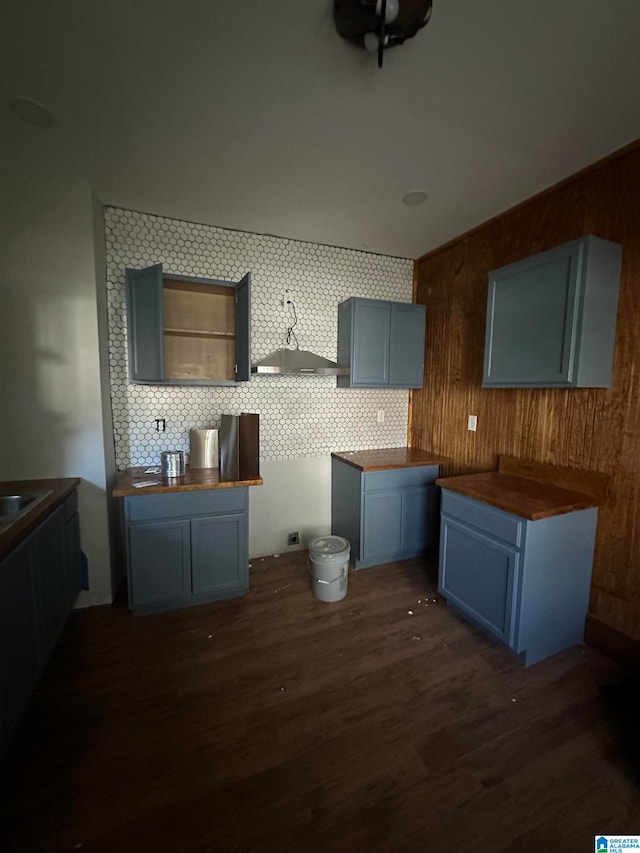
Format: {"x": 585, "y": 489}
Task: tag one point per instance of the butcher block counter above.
{"x": 530, "y": 489}
{"x": 385, "y": 502}
{"x": 516, "y": 551}
{"x": 191, "y": 481}
{"x": 390, "y": 457}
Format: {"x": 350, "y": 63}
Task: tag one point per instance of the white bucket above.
{"x": 329, "y": 567}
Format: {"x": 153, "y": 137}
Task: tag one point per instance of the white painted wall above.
{"x": 51, "y": 421}
{"x": 296, "y": 495}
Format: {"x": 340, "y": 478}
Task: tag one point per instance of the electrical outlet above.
{"x": 161, "y": 424}
{"x": 380, "y": 418}
{"x": 286, "y": 296}
{"x": 293, "y": 538}
{"x": 472, "y": 423}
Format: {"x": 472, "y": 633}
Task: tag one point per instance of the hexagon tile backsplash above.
{"x": 299, "y": 415}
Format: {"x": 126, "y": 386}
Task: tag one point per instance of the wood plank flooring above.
{"x": 279, "y": 723}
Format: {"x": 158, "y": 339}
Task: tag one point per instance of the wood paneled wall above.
{"x": 592, "y": 428}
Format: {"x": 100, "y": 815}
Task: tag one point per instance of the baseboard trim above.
{"x": 612, "y": 643}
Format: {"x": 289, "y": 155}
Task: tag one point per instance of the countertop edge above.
{"x": 434, "y": 459}
{"x": 174, "y": 488}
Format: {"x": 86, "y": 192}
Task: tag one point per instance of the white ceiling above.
{"x": 256, "y": 115}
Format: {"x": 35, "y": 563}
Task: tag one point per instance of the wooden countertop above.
{"x": 531, "y": 490}
{"x": 390, "y": 457}
{"x": 19, "y": 530}
{"x": 191, "y": 481}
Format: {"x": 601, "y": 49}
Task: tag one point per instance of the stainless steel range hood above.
{"x": 298, "y": 361}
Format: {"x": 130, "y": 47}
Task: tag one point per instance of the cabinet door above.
{"x": 531, "y": 320}
{"x": 20, "y": 660}
{"x": 419, "y": 519}
{"x": 49, "y": 559}
{"x": 73, "y": 561}
{"x": 145, "y": 324}
{"x": 370, "y": 343}
{"x": 406, "y": 347}
{"x": 480, "y": 576}
{"x": 381, "y": 524}
{"x": 159, "y": 562}
{"x": 243, "y": 329}
{"x": 219, "y": 559}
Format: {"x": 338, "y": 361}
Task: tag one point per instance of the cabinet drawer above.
{"x": 186, "y": 504}
{"x": 398, "y": 478}
{"x": 495, "y": 522}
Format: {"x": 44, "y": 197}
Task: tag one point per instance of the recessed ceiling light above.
{"x": 414, "y": 197}
{"x": 32, "y": 112}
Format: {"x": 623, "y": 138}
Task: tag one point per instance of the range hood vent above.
{"x": 298, "y": 361}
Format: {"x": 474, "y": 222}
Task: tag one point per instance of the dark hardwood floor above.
{"x": 278, "y": 723}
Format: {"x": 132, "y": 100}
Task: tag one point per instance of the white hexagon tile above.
{"x": 300, "y": 416}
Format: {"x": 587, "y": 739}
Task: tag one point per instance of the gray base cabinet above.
{"x": 524, "y": 582}
{"x": 39, "y": 582}
{"x": 49, "y": 559}
{"x": 20, "y": 650}
{"x": 385, "y": 515}
{"x": 551, "y": 319}
{"x": 186, "y": 548}
{"x": 382, "y": 343}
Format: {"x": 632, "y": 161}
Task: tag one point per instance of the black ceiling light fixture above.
{"x": 379, "y": 24}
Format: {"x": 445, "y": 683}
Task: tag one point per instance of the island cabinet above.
{"x": 185, "y": 330}
{"x": 551, "y": 318}
{"x": 523, "y": 578}
{"x": 382, "y": 343}
{"x": 386, "y": 514}
{"x": 186, "y": 548}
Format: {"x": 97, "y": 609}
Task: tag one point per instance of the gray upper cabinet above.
{"x": 551, "y": 318}
{"x": 382, "y": 343}
{"x": 188, "y": 331}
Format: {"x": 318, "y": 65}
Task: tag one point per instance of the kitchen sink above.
{"x": 16, "y": 506}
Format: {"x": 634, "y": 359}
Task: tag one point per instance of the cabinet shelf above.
{"x": 197, "y": 333}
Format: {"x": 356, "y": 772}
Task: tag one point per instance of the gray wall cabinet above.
{"x": 385, "y": 515}
{"x": 551, "y": 318}
{"x": 382, "y": 343}
{"x": 186, "y": 548}
{"x": 39, "y": 585}
{"x": 524, "y": 582}
{"x": 185, "y": 330}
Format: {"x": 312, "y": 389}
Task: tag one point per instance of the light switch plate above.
{"x": 472, "y": 423}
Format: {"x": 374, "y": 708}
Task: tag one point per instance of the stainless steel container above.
{"x": 203, "y": 448}
{"x": 172, "y": 463}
